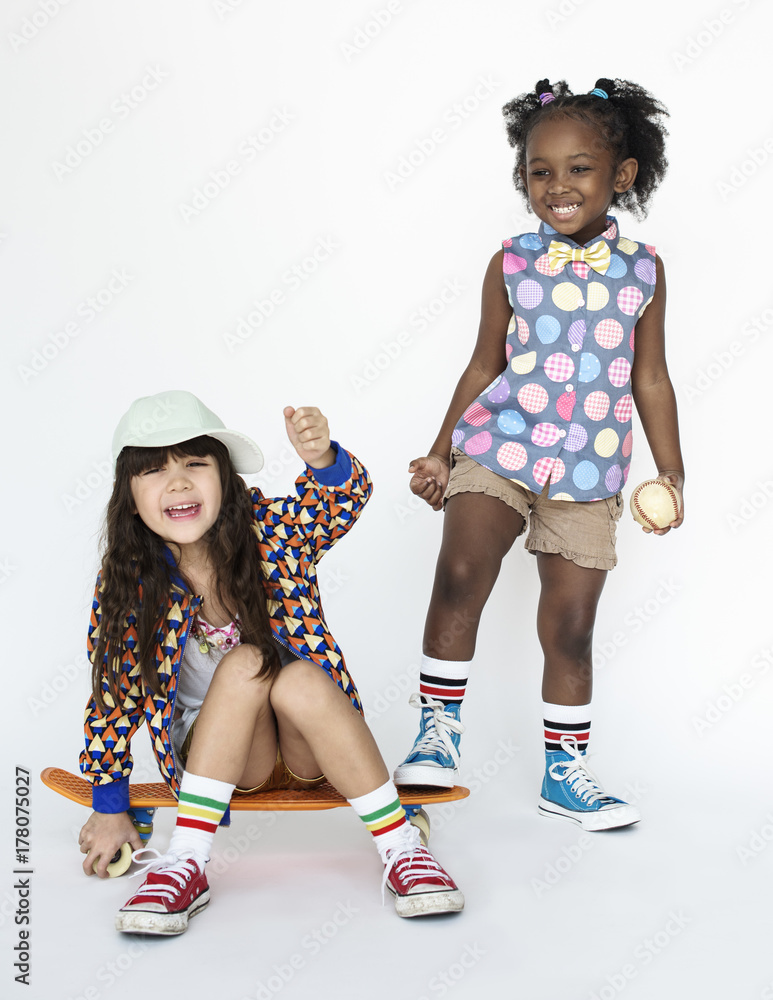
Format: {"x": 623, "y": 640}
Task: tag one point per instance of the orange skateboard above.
{"x": 146, "y": 798}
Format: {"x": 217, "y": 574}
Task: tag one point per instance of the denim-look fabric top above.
{"x": 560, "y": 412}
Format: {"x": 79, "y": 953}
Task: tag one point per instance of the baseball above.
{"x": 655, "y": 503}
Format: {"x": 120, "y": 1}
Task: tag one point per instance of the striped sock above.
{"x": 382, "y": 813}
{"x": 565, "y": 720}
{"x": 201, "y": 806}
{"x": 443, "y": 680}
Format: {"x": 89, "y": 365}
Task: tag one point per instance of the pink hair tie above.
{"x": 547, "y": 97}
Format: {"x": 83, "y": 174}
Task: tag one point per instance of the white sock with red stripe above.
{"x": 565, "y": 720}
{"x": 382, "y": 813}
{"x": 201, "y": 806}
{"x": 443, "y": 680}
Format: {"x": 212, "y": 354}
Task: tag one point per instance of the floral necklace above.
{"x": 211, "y": 637}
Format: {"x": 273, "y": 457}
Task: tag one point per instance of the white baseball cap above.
{"x": 175, "y": 416}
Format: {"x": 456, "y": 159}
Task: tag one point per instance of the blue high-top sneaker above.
{"x": 434, "y": 759}
{"x": 571, "y": 790}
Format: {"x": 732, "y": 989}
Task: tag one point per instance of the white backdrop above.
{"x": 295, "y": 203}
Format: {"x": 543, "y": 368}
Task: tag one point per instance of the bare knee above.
{"x": 299, "y": 689}
{"x": 241, "y": 667}
{"x": 464, "y": 576}
{"x": 478, "y": 532}
{"x": 569, "y": 633}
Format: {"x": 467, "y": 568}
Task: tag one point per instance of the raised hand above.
{"x": 309, "y": 434}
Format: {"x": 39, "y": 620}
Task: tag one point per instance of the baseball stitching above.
{"x": 649, "y": 482}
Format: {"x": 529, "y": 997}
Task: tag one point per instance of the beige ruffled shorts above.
{"x": 581, "y": 532}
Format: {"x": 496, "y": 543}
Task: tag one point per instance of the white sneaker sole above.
{"x": 152, "y": 922}
{"x": 427, "y": 775}
{"x": 601, "y": 819}
{"x": 425, "y": 904}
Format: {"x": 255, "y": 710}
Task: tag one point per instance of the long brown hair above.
{"x": 139, "y": 574}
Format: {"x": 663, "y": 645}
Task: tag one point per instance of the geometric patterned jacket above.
{"x": 292, "y": 534}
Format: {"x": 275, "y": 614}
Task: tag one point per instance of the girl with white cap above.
{"x": 207, "y": 626}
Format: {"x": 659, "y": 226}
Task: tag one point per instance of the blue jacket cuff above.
{"x": 111, "y": 798}
{"x": 338, "y": 472}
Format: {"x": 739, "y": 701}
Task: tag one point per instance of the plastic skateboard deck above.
{"x": 146, "y": 798}
{"x": 158, "y": 794}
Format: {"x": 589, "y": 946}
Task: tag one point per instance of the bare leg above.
{"x": 237, "y": 704}
{"x": 478, "y": 531}
{"x": 565, "y": 619}
{"x": 321, "y": 732}
{"x": 234, "y": 741}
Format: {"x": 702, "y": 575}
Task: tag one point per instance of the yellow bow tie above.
{"x": 596, "y": 256}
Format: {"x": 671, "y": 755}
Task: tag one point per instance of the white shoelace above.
{"x": 412, "y": 861}
{"x": 578, "y": 775}
{"x": 436, "y": 733}
{"x": 177, "y": 868}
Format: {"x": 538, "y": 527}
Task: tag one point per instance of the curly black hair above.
{"x": 628, "y": 121}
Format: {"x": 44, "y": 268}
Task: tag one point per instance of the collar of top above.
{"x": 610, "y": 235}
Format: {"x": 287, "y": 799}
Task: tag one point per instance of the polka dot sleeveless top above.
{"x": 560, "y": 412}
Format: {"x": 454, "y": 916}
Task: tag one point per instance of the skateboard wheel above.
{"x": 143, "y": 822}
{"x": 120, "y": 863}
{"x": 420, "y": 820}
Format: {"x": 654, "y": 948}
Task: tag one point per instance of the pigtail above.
{"x": 524, "y": 112}
{"x": 630, "y": 121}
{"x": 544, "y": 92}
{"x": 603, "y": 88}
